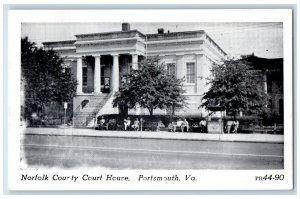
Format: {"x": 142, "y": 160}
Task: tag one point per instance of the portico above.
{"x": 103, "y": 73}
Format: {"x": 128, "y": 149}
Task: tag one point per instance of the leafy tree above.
{"x": 236, "y": 86}
{"x": 43, "y": 78}
{"x": 150, "y": 87}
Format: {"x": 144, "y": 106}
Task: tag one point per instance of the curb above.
{"x": 258, "y": 138}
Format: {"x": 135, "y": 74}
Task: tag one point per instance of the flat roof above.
{"x": 264, "y": 63}
{"x": 153, "y": 35}
{"x": 107, "y": 33}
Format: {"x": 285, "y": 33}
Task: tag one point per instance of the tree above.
{"x": 150, "y": 87}
{"x": 43, "y": 78}
{"x": 236, "y": 86}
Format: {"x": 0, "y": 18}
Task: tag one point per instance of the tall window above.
{"x": 171, "y": 69}
{"x": 84, "y": 76}
{"x": 190, "y": 73}
{"x": 102, "y": 76}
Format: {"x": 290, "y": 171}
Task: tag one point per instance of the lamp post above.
{"x": 65, "y": 107}
{"x": 142, "y": 124}
{"x": 64, "y": 66}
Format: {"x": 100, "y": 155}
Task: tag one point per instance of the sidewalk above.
{"x": 265, "y": 138}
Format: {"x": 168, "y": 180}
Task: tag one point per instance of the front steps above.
{"x": 85, "y": 115}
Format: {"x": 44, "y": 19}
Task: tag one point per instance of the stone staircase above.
{"x": 84, "y": 116}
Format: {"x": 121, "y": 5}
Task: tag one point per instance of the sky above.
{"x": 263, "y": 39}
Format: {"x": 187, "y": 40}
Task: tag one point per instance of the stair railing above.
{"x": 77, "y": 110}
{"x": 94, "y": 113}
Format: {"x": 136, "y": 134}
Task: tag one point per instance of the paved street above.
{"x": 71, "y": 152}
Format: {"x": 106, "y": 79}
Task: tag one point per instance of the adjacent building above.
{"x": 272, "y": 80}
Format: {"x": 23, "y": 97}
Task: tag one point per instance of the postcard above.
{"x": 150, "y": 99}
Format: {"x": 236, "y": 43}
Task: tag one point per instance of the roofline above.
{"x": 145, "y": 35}
{"x": 100, "y": 33}
{"x": 56, "y": 42}
{"x": 165, "y": 33}
{"x": 192, "y": 31}
{"x": 254, "y": 56}
{"x": 215, "y": 43}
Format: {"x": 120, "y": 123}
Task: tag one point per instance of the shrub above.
{"x": 271, "y": 119}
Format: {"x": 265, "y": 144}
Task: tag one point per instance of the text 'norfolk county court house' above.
{"x": 99, "y": 62}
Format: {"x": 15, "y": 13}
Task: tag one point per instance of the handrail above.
{"x": 78, "y": 107}
{"x": 106, "y": 99}
{"x": 94, "y": 113}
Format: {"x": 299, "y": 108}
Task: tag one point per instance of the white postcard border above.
{"x": 206, "y": 179}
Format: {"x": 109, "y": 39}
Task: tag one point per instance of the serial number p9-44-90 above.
{"x": 270, "y": 177}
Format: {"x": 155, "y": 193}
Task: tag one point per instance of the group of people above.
{"x": 110, "y": 125}
{"x": 232, "y": 126}
{"x": 112, "y": 122}
{"x": 135, "y": 126}
{"x": 181, "y": 124}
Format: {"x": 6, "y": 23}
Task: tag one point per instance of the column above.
{"x": 200, "y": 73}
{"x": 79, "y": 75}
{"x": 115, "y": 72}
{"x": 97, "y": 75}
{"x": 135, "y": 66}
{"x": 135, "y": 61}
{"x": 265, "y": 81}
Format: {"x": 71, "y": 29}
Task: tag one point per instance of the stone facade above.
{"x": 100, "y": 60}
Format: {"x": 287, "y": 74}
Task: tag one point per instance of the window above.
{"x": 190, "y": 73}
{"x": 84, "y": 76}
{"x": 102, "y": 76}
{"x": 171, "y": 70}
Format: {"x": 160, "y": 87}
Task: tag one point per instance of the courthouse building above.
{"x": 99, "y": 62}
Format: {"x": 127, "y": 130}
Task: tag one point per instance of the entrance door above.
{"x": 105, "y": 84}
{"x": 105, "y": 81}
